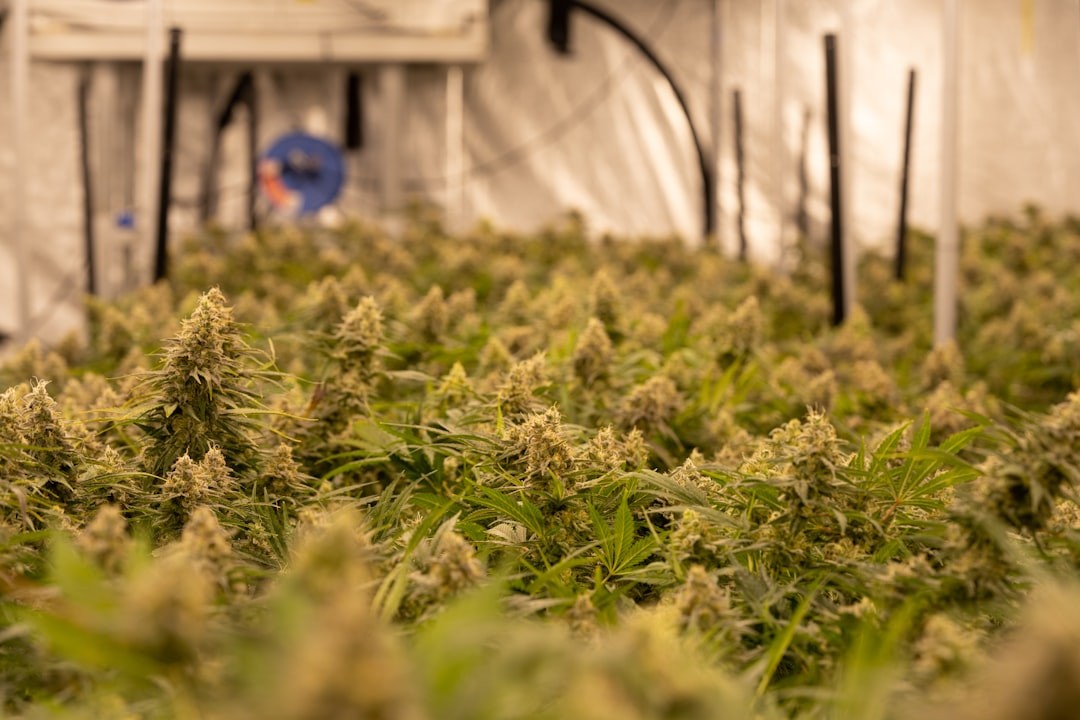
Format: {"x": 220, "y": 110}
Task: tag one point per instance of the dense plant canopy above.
{"x": 327, "y": 474}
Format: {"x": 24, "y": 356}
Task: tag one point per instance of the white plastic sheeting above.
{"x": 600, "y": 131}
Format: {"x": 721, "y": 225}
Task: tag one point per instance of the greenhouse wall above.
{"x": 600, "y": 131}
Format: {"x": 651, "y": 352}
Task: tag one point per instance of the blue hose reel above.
{"x": 300, "y": 174}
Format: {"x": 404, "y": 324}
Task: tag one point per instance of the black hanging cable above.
{"x": 552, "y": 134}
{"x": 558, "y": 7}
{"x": 161, "y": 256}
{"x": 559, "y": 25}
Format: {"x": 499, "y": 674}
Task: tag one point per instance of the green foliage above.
{"x": 498, "y": 476}
{"x": 202, "y": 393}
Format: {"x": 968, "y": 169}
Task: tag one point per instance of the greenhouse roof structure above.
{"x": 262, "y": 30}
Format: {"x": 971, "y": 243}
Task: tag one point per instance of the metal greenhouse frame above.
{"x": 238, "y": 32}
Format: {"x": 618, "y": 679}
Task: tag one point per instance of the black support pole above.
{"x": 354, "y": 111}
{"x": 172, "y": 73}
{"x": 252, "y": 102}
{"x": 837, "y": 248}
{"x": 87, "y": 181}
{"x": 901, "y": 229}
{"x": 740, "y": 172}
{"x": 559, "y": 33}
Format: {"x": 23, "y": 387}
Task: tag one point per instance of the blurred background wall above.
{"x": 600, "y": 131}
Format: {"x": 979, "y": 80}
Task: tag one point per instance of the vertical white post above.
{"x": 107, "y": 140}
{"x": 20, "y": 106}
{"x": 392, "y": 89}
{"x": 455, "y": 147}
{"x": 947, "y": 252}
{"x": 779, "y": 149}
{"x": 716, "y": 111}
{"x": 126, "y": 164}
{"x": 271, "y": 109}
{"x": 847, "y": 156}
{"x": 152, "y": 107}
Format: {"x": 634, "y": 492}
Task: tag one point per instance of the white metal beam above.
{"x": 847, "y": 154}
{"x": 716, "y": 112}
{"x": 152, "y": 80}
{"x": 455, "y": 147}
{"x": 392, "y": 89}
{"x": 107, "y": 142}
{"x": 947, "y": 251}
{"x": 283, "y": 47}
{"x": 243, "y": 16}
{"x": 20, "y": 107}
{"x": 779, "y": 150}
{"x": 245, "y": 31}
